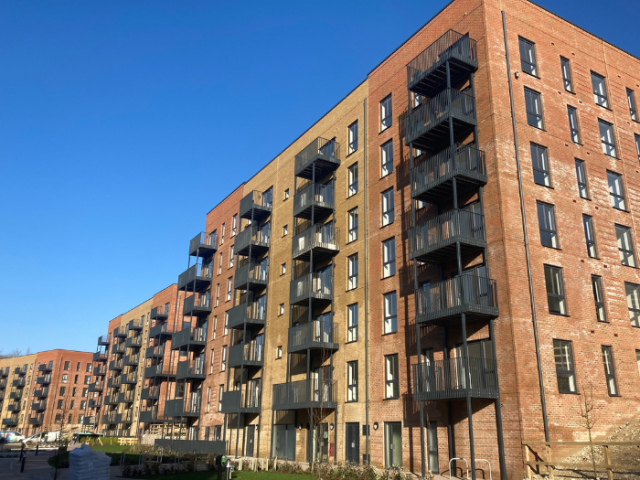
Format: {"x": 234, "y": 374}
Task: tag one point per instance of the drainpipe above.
{"x": 534, "y": 319}
{"x": 366, "y": 293}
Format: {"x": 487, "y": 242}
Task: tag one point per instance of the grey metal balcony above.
{"x": 99, "y": 357}
{"x": 118, "y": 347}
{"x": 95, "y": 387}
{"x": 3, "y": 384}
{"x": 124, "y": 417}
{"x": 16, "y": 395}
{"x": 111, "y": 399}
{"x": 159, "y": 370}
{"x": 155, "y": 352}
{"x": 100, "y": 371}
{"x": 251, "y": 312}
{"x": 114, "y": 381}
{"x": 37, "y": 420}
{"x": 14, "y": 408}
{"x": 95, "y": 403}
{"x": 203, "y": 245}
{"x": 432, "y": 179}
{"x": 251, "y": 275}
{"x": 88, "y": 420}
{"x": 314, "y": 198}
{"x": 110, "y": 418}
{"x": 126, "y": 397}
{"x": 196, "y": 278}
{"x": 160, "y": 329}
{"x": 204, "y": 447}
{"x": 436, "y": 240}
{"x": 304, "y": 394}
{"x": 249, "y": 354}
{"x": 151, "y": 415}
{"x": 254, "y": 236}
{"x": 116, "y": 365}
{"x": 199, "y": 305}
{"x": 130, "y": 378}
{"x": 190, "y": 370}
{"x": 135, "y": 324}
{"x": 443, "y": 303}
{"x": 322, "y": 239}
{"x": 321, "y": 154}
{"x": 40, "y": 406}
{"x": 11, "y": 421}
{"x": 192, "y": 339}
{"x": 4, "y": 372}
{"x": 41, "y": 392}
{"x": 256, "y": 205}
{"x": 448, "y": 379}
{"x": 237, "y": 401}
{"x": 132, "y": 360}
{"x": 311, "y": 285}
{"x": 159, "y": 313}
{"x": 183, "y": 408}
{"x": 317, "y": 334}
{"x": 150, "y": 393}
{"x": 43, "y": 379}
{"x": 18, "y": 382}
{"x": 133, "y": 342}
{"x": 103, "y": 340}
{"x": 427, "y": 73}
{"x": 20, "y": 371}
{"x": 427, "y": 126}
{"x": 119, "y": 332}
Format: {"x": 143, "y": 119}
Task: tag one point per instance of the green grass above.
{"x": 114, "y": 451}
{"x": 236, "y": 475}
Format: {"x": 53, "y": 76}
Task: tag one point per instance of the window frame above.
{"x": 545, "y": 230}
{"x": 560, "y": 295}
{"x": 389, "y": 318}
{"x": 630, "y": 250}
{"x": 609, "y": 147}
{"x": 574, "y": 130}
{"x": 610, "y": 370}
{"x": 631, "y": 101}
{"x": 223, "y": 359}
{"x": 386, "y": 158}
{"x": 598, "y": 298}
{"x": 352, "y": 272}
{"x": 597, "y": 96}
{"x": 530, "y": 97}
{"x": 389, "y": 257}
{"x": 570, "y": 371}
{"x": 391, "y": 374}
{"x": 352, "y": 138}
{"x": 386, "y": 112}
{"x": 568, "y": 77}
{"x": 352, "y": 323}
{"x": 388, "y": 196}
{"x": 616, "y": 198}
{"x": 352, "y": 180}
{"x": 352, "y": 225}
{"x": 540, "y": 161}
{"x": 528, "y": 66}
{"x": 352, "y": 381}
{"x": 589, "y": 236}
{"x": 582, "y": 170}
{"x": 632, "y": 294}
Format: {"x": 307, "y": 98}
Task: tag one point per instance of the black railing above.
{"x": 314, "y": 194}
{"x": 99, "y": 357}
{"x": 157, "y": 351}
{"x": 203, "y": 271}
{"x": 103, "y": 340}
{"x": 202, "y": 241}
{"x": 43, "y": 379}
{"x": 249, "y": 311}
{"x": 237, "y": 399}
{"x": 452, "y": 378}
{"x": 255, "y": 200}
{"x": 253, "y": 235}
{"x": 250, "y": 353}
{"x": 187, "y": 369}
{"x": 135, "y": 324}
{"x": 182, "y": 407}
{"x": 312, "y": 285}
{"x": 251, "y": 272}
{"x": 316, "y": 393}
{"x": 39, "y": 406}
{"x": 126, "y": 397}
{"x": 134, "y": 341}
{"x": 159, "y": 313}
{"x": 116, "y": 364}
{"x": 186, "y": 336}
{"x": 315, "y": 334}
{"x": 158, "y": 329}
{"x": 159, "y": 369}
{"x": 320, "y": 148}
{"x": 41, "y": 392}
{"x": 316, "y": 236}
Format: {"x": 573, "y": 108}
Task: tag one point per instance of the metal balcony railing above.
{"x": 326, "y": 153}
{"x": 190, "y": 369}
{"x": 99, "y": 357}
{"x": 150, "y": 415}
{"x": 258, "y": 237}
{"x": 260, "y": 203}
{"x": 251, "y": 311}
{"x": 39, "y": 406}
{"x": 314, "y": 195}
{"x": 88, "y": 420}
{"x": 43, "y": 379}
{"x": 37, "y": 420}
{"x": 21, "y": 371}
{"x": 181, "y": 407}
{"x": 249, "y": 354}
{"x": 100, "y": 371}
{"x": 203, "y": 245}
{"x": 95, "y": 403}
{"x": 150, "y": 393}
{"x": 41, "y": 392}
{"x": 96, "y": 387}
{"x": 116, "y": 364}
{"x": 159, "y": 370}
{"x": 3, "y": 383}
{"x": 129, "y": 378}
{"x": 4, "y": 372}
{"x": 251, "y": 272}
{"x": 195, "y": 305}
{"x": 312, "y": 285}
{"x": 119, "y": 332}
{"x": 126, "y": 397}
{"x": 187, "y": 337}
{"x": 15, "y": 395}
{"x": 159, "y": 313}
{"x": 314, "y": 393}
{"x": 447, "y": 300}
{"x": 322, "y": 239}
{"x": 160, "y": 329}
{"x": 135, "y": 324}
{"x": 111, "y": 399}
{"x": 103, "y": 340}
{"x": 10, "y": 421}
{"x": 14, "y": 408}
{"x": 315, "y": 334}
{"x": 453, "y": 378}
{"x": 200, "y": 274}
{"x": 119, "y": 347}
{"x": 110, "y": 418}
{"x": 132, "y": 359}
{"x": 157, "y": 351}
{"x": 135, "y": 341}
{"x": 235, "y": 400}
{"x": 19, "y": 382}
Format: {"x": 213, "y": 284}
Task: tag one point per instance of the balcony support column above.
{"x": 467, "y": 384}
{"x": 501, "y": 457}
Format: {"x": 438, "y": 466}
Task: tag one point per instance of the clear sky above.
{"x": 122, "y": 123}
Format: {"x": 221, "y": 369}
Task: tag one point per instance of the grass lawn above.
{"x": 236, "y": 475}
{"x": 113, "y": 451}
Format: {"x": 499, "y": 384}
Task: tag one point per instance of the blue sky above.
{"x": 123, "y": 123}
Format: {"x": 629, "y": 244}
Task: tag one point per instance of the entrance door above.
{"x": 432, "y": 447}
{"x": 352, "y": 440}
{"x": 320, "y": 440}
{"x": 284, "y": 441}
{"x": 392, "y": 444}
{"x": 251, "y": 432}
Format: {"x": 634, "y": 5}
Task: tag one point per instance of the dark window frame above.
{"x": 391, "y": 263}
{"x": 528, "y": 65}
{"x": 394, "y": 382}
{"x": 582, "y": 169}
{"x": 540, "y": 164}
{"x": 352, "y": 329}
{"x": 630, "y": 252}
{"x": 548, "y": 233}
{"x": 386, "y": 109}
{"x": 352, "y": 388}
{"x": 386, "y": 158}
{"x": 390, "y": 212}
{"x": 589, "y": 231}
{"x": 566, "y": 78}
{"x": 598, "y": 298}
{"x": 530, "y": 97}
{"x": 610, "y": 370}
{"x": 552, "y": 294}
{"x": 574, "y": 130}
{"x": 601, "y": 99}
{"x": 565, "y": 372}
{"x": 609, "y": 148}
{"x": 352, "y": 137}
{"x": 617, "y": 198}
{"x": 352, "y": 180}
{"x": 352, "y": 276}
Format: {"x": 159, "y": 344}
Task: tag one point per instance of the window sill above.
{"x": 531, "y": 75}
{"x": 349, "y": 154}
{"x": 616, "y": 395}
{"x": 629, "y": 266}
{"x": 569, "y": 393}
{"x": 602, "y": 106}
{"x": 570, "y": 91}
{"x": 385, "y": 129}
{"x": 390, "y": 398}
{"x": 385, "y": 226}
{"x": 352, "y": 195}
{"x": 585, "y": 198}
{"x": 351, "y": 289}
{"x": 552, "y": 248}
{"x": 560, "y": 314}
{"x": 390, "y": 333}
{"x": 351, "y": 401}
{"x": 545, "y": 186}
{"x": 621, "y": 210}
{"x": 352, "y": 341}
{"x": 388, "y": 276}
{"x": 537, "y": 128}
{"x": 351, "y": 241}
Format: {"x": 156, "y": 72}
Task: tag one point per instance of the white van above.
{"x": 42, "y": 437}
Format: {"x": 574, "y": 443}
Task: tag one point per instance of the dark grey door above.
{"x": 251, "y": 432}
{"x": 432, "y": 446}
{"x": 352, "y": 448}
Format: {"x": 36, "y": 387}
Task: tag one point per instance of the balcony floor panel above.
{"x": 318, "y": 209}
{"x": 453, "y": 316}
{"x": 445, "y": 251}
{"x": 436, "y": 137}
{"x": 442, "y": 190}
{"x": 456, "y": 394}
{"x": 434, "y": 79}
{"x": 324, "y": 165}
{"x": 320, "y": 252}
{"x": 313, "y": 346}
{"x": 306, "y": 406}
{"x": 199, "y": 283}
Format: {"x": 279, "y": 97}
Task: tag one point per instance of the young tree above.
{"x": 588, "y": 413}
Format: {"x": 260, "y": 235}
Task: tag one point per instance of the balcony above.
{"x": 251, "y": 275}
{"x": 246, "y": 355}
{"x": 150, "y": 393}
{"x": 119, "y": 332}
{"x": 159, "y": 370}
{"x": 135, "y": 325}
{"x": 314, "y": 286}
{"x": 95, "y": 403}
{"x": 20, "y": 371}
{"x": 40, "y": 406}
{"x": 100, "y": 371}
{"x": 160, "y": 329}
{"x": 197, "y": 305}
{"x": 155, "y": 352}
{"x": 124, "y": 417}
{"x": 321, "y": 157}
{"x": 103, "y": 340}
{"x": 41, "y": 393}
{"x": 147, "y": 416}
{"x": 237, "y": 402}
{"x": 304, "y": 394}
{"x": 111, "y": 399}
{"x": 159, "y": 313}
{"x": 114, "y": 381}
{"x": 250, "y": 312}
{"x": 254, "y": 238}
{"x": 130, "y": 378}
{"x": 3, "y": 383}
{"x": 133, "y": 342}
{"x": 132, "y": 360}
{"x": 192, "y": 339}
{"x": 116, "y": 365}
{"x": 190, "y": 371}
{"x": 256, "y": 205}
{"x": 182, "y": 408}
{"x": 100, "y": 357}
{"x": 196, "y": 278}
{"x": 95, "y": 387}
{"x": 436, "y": 240}
{"x": 126, "y": 397}
{"x": 432, "y": 179}
{"x": 427, "y": 126}
{"x": 314, "y": 200}
{"x": 10, "y": 422}
{"x": 427, "y": 73}
{"x": 203, "y": 245}
{"x": 446, "y": 379}
{"x": 322, "y": 239}
{"x": 88, "y": 420}
{"x": 4, "y": 372}
{"x": 16, "y": 395}
{"x": 443, "y": 303}
{"x": 14, "y": 408}
{"x": 20, "y": 382}
{"x": 37, "y": 420}
{"x": 314, "y": 335}
{"x": 118, "y": 347}
{"x": 110, "y": 418}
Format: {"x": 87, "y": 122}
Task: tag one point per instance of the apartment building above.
{"x": 45, "y": 391}
{"x": 443, "y": 266}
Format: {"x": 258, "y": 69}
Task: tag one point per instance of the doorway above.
{"x": 432, "y": 447}
{"x": 251, "y": 433}
{"x": 352, "y": 443}
{"x": 392, "y": 444}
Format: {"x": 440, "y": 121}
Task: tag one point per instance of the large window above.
{"x": 234, "y": 225}
{"x": 631, "y": 100}
{"x": 547, "y": 223}
{"x": 390, "y": 312}
{"x": 589, "y": 236}
{"x": 352, "y": 323}
{"x": 598, "y": 298}
{"x": 389, "y": 257}
{"x": 391, "y": 377}
{"x": 352, "y": 271}
{"x": 565, "y": 369}
{"x": 599, "y": 90}
{"x": 566, "y": 74}
{"x": 555, "y": 290}
{"x": 637, "y": 139}
{"x": 616, "y": 190}
{"x": 581, "y": 175}
{"x": 533, "y": 103}
{"x": 540, "y": 162}
{"x": 633, "y": 303}
{"x": 625, "y": 246}
{"x": 528, "y": 57}
{"x": 607, "y": 138}
{"x": 223, "y": 360}
{"x": 609, "y": 370}
{"x": 353, "y": 137}
{"x": 387, "y": 207}
{"x": 386, "y": 158}
{"x": 220, "y": 394}
{"x": 352, "y": 221}
{"x": 573, "y": 124}
{"x": 385, "y": 113}
{"x": 229, "y": 288}
{"x": 638, "y": 360}
{"x": 353, "y": 180}
{"x": 352, "y": 381}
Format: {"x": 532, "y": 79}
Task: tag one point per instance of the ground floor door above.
{"x": 393, "y": 444}
{"x": 251, "y": 433}
{"x": 284, "y": 442}
{"x": 352, "y": 443}
{"x": 319, "y": 443}
{"x": 432, "y": 447}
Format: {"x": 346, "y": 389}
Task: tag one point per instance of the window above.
{"x": 60, "y": 404}
{"x": 390, "y": 313}
{"x": 72, "y": 404}
{"x": 564, "y": 366}
{"x": 555, "y": 290}
{"x": 417, "y": 100}
{"x": 58, "y": 418}
{"x": 385, "y": 113}
{"x": 85, "y": 392}
{"x": 625, "y": 246}
{"x": 352, "y": 381}
{"x": 222, "y": 235}
{"x": 283, "y": 269}
{"x": 598, "y": 298}
{"x": 87, "y": 379}
{"x": 75, "y": 379}
{"x": 581, "y": 175}
{"x": 631, "y": 100}
{"x": 638, "y": 359}
{"x": 220, "y": 393}
{"x": 386, "y": 158}
{"x": 281, "y": 312}
{"x": 540, "y": 161}
{"x": 226, "y": 324}
{"x": 67, "y": 365}
{"x": 223, "y": 362}
{"x": 353, "y": 180}
{"x": 353, "y": 137}
{"x": 607, "y": 138}
{"x": 217, "y": 294}
{"x": 65, "y": 378}
{"x": 387, "y": 207}
{"x": 220, "y": 264}
{"x": 352, "y": 323}
{"x": 89, "y": 368}
{"x": 217, "y": 433}
{"x": 616, "y": 190}
{"x": 78, "y": 366}
{"x": 533, "y": 103}
{"x": 527, "y": 56}
{"x": 73, "y": 391}
{"x": 234, "y": 225}
{"x": 286, "y": 194}
{"x": 215, "y": 326}
{"x": 389, "y": 257}
{"x": 391, "y": 374}
{"x": 599, "y": 90}
{"x": 609, "y": 370}
{"x": 279, "y": 352}
{"x": 547, "y": 223}
{"x": 211, "y": 357}
{"x": 352, "y": 221}
{"x": 229, "y": 288}
{"x": 285, "y": 230}
{"x": 231, "y": 256}
{"x": 633, "y": 303}
{"x": 352, "y": 271}
{"x": 589, "y": 236}
{"x": 573, "y": 124}
{"x": 83, "y": 405}
{"x": 637, "y": 139}
{"x": 208, "y": 402}
{"x": 566, "y": 74}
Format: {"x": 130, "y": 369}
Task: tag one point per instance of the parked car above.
{"x": 42, "y": 437}
{"x": 12, "y": 437}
